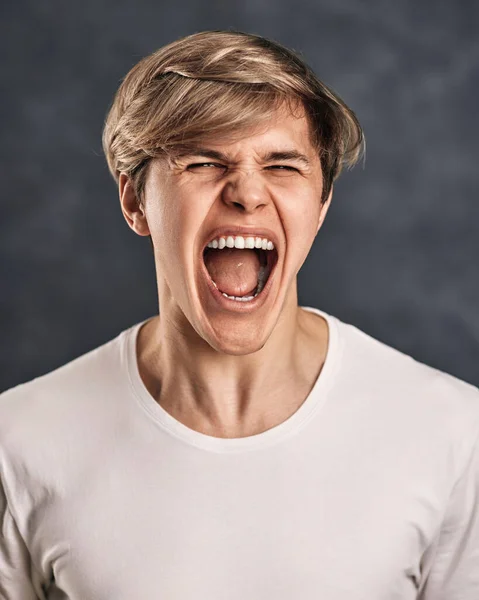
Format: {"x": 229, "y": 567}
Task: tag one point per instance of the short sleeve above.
{"x": 16, "y": 580}
{"x": 453, "y": 563}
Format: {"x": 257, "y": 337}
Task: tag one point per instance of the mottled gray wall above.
{"x": 398, "y": 253}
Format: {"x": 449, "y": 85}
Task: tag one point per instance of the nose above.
{"x": 246, "y": 191}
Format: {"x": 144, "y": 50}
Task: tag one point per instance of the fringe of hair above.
{"x": 221, "y": 82}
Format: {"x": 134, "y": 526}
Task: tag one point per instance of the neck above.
{"x": 229, "y": 395}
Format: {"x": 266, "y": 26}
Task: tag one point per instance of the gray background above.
{"x": 397, "y": 255}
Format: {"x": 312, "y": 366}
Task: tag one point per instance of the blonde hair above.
{"x": 216, "y": 83}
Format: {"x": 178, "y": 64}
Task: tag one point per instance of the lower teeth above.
{"x": 247, "y": 298}
{"x": 259, "y": 289}
{"x": 240, "y": 298}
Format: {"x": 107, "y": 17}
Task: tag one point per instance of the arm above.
{"x": 16, "y": 569}
{"x": 451, "y": 565}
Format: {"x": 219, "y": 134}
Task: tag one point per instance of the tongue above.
{"x": 234, "y": 271}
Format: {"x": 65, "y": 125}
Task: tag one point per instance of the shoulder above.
{"x": 407, "y": 385}
{"x": 64, "y": 399}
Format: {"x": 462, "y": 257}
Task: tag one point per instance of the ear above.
{"x": 324, "y": 210}
{"x": 130, "y": 207}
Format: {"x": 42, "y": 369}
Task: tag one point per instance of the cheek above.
{"x": 163, "y": 220}
{"x": 174, "y": 222}
{"x": 300, "y": 219}
{"x": 191, "y": 211}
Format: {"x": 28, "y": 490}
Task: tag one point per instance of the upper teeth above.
{"x": 241, "y": 242}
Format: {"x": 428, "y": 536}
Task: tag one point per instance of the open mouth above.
{"x": 240, "y": 269}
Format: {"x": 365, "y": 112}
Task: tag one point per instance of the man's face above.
{"x": 214, "y": 191}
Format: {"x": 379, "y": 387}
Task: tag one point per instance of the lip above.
{"x": 236, "y": 305}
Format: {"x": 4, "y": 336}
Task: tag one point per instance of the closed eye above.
{"x": 283, "y": 167}
{"x": 206, "y": 164}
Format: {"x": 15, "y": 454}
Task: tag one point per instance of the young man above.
{"x": 236, "y": 446}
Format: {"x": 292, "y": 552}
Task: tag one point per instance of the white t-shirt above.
{"x": 369, "y": 491}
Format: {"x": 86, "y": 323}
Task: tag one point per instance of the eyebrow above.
{"x": 287, "y": 154}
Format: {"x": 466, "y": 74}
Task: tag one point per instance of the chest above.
{"x": 279, "y": 529}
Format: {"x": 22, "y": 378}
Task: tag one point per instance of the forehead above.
{"x": 279, "y": 130}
